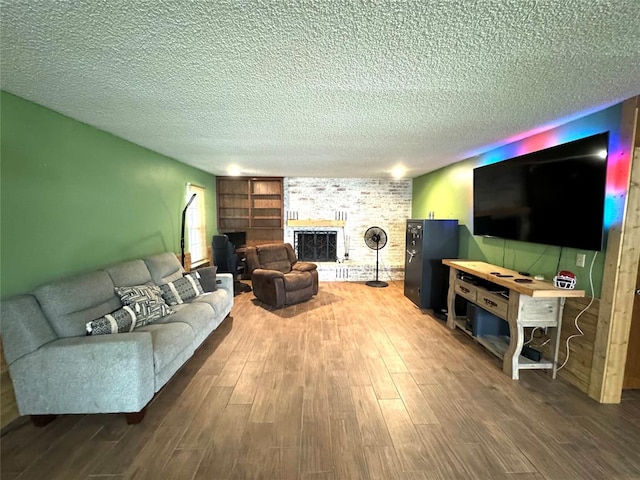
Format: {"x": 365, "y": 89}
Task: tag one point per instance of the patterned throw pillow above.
{"x": 139, "y": 293}
{"x": 183, "y": 289}
{"x": 147, "y": 302}
{"x": 123, "y": 320}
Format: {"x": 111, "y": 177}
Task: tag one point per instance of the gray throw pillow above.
{"x": 208, "y": 278}
{"x": 183, "y": 289}
{"x": 122, "y": 320}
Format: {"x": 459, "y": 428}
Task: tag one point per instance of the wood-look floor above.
{"x": 354, "y": 384}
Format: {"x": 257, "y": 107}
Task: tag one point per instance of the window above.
{"x": 196, "y": 225}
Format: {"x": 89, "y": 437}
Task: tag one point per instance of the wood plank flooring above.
{"x": 355, "y": 384}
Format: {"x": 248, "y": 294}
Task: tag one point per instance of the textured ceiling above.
{"x": 320, "y": 88}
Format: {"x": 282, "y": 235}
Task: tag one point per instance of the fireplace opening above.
{"x": 316, "y": 246}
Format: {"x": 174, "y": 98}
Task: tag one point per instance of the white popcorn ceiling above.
{"x": 331, "y": 88}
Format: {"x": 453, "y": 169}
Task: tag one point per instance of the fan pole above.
{"x": 377, "y": 283}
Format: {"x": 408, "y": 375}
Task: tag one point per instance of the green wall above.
{"x": 449, "y": 193}
{"x": 75, "y": 198}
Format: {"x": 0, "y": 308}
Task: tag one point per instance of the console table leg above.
{"x": 555, "y": 337}
{"x": 510, "y": 364}
{"x": 451, "y": 299}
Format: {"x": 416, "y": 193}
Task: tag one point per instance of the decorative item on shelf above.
{"x": 565, "y": 279}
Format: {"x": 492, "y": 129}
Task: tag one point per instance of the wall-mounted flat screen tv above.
{"x": 553, "y": 196}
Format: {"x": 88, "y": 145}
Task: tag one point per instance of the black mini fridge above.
{"x": 426, "y": 279}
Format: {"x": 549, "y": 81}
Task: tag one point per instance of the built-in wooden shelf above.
{"x": 254, "y": 205}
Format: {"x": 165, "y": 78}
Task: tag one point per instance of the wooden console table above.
{"x": 535, "y": 304}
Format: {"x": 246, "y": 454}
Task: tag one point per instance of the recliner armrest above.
{"x": 304, "y": 266}
{"x": 268, "y": 286}
{"x": 261, "y": 273}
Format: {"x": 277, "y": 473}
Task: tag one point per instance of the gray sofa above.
{"x": 57, "y": 369}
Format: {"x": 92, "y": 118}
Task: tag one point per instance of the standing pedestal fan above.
{"x": 376, "y": 238}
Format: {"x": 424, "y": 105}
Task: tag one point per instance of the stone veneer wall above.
{"x": 363, "y": 202}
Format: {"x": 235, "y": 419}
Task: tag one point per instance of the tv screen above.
{"x": 239, "y": 239}
{"x": 553, "y": 196}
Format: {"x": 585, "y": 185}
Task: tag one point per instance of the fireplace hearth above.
{"x": 316, "y": 245}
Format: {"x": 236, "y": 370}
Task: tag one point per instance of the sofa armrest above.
{"x": 225, "y": 281}
{"x": 304, "y": 266}
{"x": 93, "y": 374}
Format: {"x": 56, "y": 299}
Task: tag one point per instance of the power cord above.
{"x": 386, "y": 270}
{"x": 532, "y": 337}
{"x": 528, "y": 269}
{"x": 575, "y": 322}
{"x": 558, "y": 262}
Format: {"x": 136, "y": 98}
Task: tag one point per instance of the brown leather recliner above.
{"x": 278, "y": 277}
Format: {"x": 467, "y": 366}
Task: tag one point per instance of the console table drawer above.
{"x": 493, "y": 303}
{"x": 466, "y": 290}
{"x": 538, "y": 312}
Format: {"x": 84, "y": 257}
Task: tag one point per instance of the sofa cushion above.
{"x": 72, "y": 302}
{"x": 128, "y": 274}
{"x": 147, "y": 302}
{"x": 164, "y": 268}
{"x": 122, "y": 320}
{"x": 218, "y": 300}
{"x": 183, "y": 289}
{"x": 169, "y": 340}
{"x": 198, "y": 315}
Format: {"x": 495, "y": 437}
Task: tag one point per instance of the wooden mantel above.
{"x": 316, "y": 223}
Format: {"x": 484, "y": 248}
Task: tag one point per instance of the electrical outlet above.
{"x": 580, "y": 260}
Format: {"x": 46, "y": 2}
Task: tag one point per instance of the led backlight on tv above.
{"x": 553, "y": 196}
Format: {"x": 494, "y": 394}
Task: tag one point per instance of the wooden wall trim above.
{"x": 621, "y": 261}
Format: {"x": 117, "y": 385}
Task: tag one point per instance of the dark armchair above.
{"x": 278, "y": 277}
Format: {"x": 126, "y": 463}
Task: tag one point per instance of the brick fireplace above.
{"x": 348, "y": 206}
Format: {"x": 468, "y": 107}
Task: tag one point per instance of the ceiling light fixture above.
{"x": 234, "y": 171}
{"x": 398, "y": 172}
